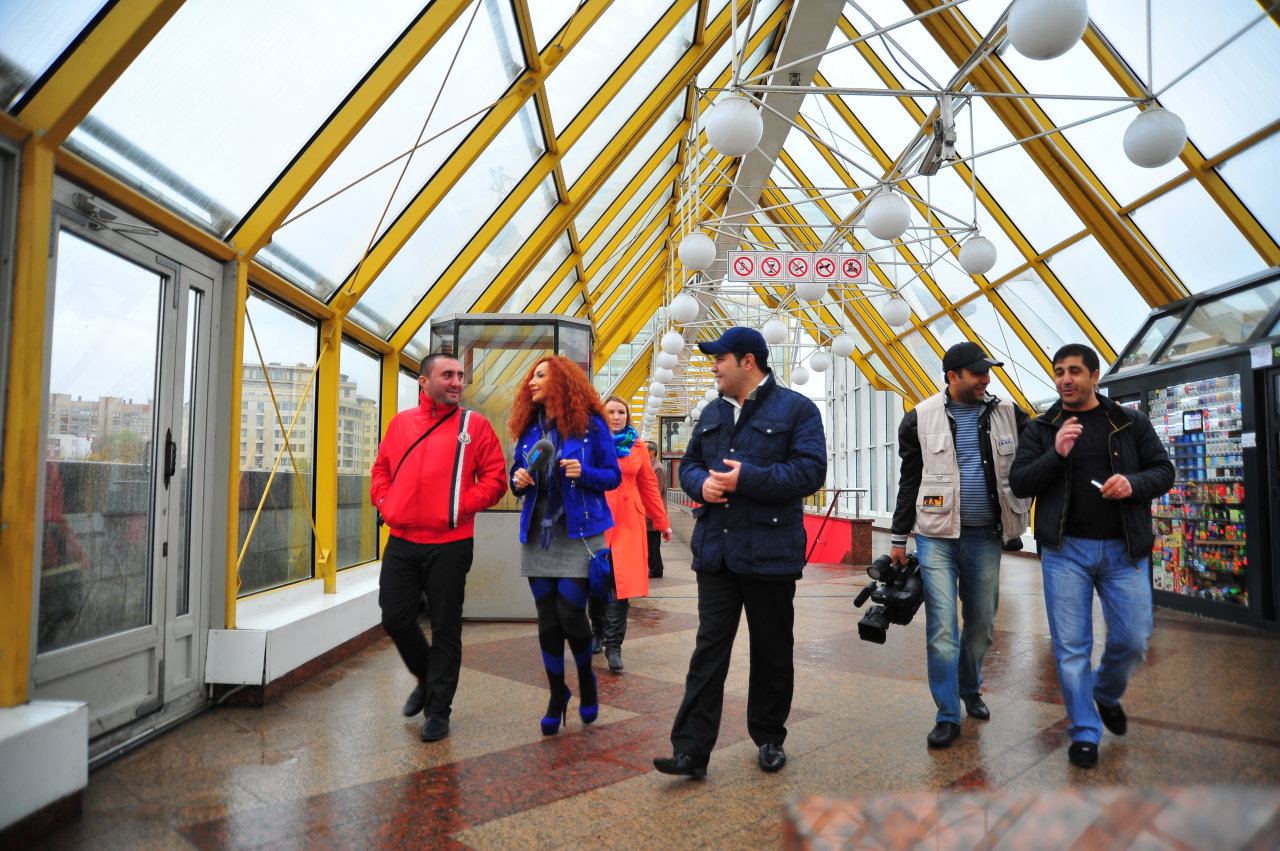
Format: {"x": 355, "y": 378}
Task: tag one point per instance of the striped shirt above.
{"x": 975, "y": 501}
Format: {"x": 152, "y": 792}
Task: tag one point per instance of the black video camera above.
{"x": 898, "y": 591}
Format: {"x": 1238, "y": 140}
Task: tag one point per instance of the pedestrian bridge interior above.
{"x": 229, "y": 232}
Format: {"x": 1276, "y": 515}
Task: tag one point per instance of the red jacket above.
{"x": 445, "y": 481}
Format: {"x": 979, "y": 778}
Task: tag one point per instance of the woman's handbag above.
{"x": 600, "y": 573}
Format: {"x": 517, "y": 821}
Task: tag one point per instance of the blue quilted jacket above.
{"x": 783, "y": 450}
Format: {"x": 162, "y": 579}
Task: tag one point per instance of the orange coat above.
{"x": 636, "y": 497}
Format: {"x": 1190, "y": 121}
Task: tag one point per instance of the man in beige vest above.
{"x": 953, "y": 491}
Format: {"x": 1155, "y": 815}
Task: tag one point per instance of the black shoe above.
{"x": 614, "y": 657}
{"x": 1083, "y": 754}
{"x": 597, "y": 646}
{"x": 655, "y": 575}
{"x": 417, "y": 701}
{"x": 943, "y": 734}
{"x": 435, "y": 728}
{"x": 1113, "y": 717}
{"x": 772, "y": 757}
{"x": 975, "y": 707}
{"x": 681, "y": 764}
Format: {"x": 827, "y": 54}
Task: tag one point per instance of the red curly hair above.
{"x": 570, "y": 398}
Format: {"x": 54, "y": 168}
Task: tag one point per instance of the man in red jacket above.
{"x": 438, "y": 467}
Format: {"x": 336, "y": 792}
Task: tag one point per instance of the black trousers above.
{"x": 440, "y": 571}
{"x": 655, "y": 552}
{"x": 769, "y": 604}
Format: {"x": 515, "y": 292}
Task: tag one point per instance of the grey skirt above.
{"x": 566, "y": 558}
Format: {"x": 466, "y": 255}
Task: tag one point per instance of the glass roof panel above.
{"x": 1142, "y": 351}
{"x": 908, "y": 51}
{"x": 625, "y": 104}
{"x": 1040, "y": 312}
{"x": 332, "y": 238}
{"x": 1254, "y": 177}
{"x": 444, "y": 232}
{"x": 1222, "y": 322}
{"x": 893, "y": 126}
{"x": 610, "y": 276}
{"x": 592, "y": 248}
{"x": 1018, "y": 184}
{"x": 1215, "y": 101}
{"x": 1100, "y": 289}
{"x": 549, "y": 17}
{"x": 463, "y": 295}
{"x": 612, "y": 187}
{"x": 819, "y": 174}
{"x": 999, "y": 341}
{"x": 1099, "y": 141}
{"x": 280, "y": 68}
{"x": 597, "y": 55}
{"x": 1196, "y": 239}
{"x": 951, "y": 196}
{"x": 33, "y": 36}
{"x": 558, "y": 294}
{"x": 538, "y": 276}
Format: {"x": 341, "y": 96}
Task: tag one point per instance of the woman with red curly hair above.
{"x": 563, "y": 462}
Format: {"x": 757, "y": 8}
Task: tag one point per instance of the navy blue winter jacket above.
{"x": 783, "y": 450}
{"x": 586, "y": 512}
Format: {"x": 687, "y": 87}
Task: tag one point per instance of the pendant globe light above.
{"x": 697, "y": 251}
{"x": 683, "y": 308}
{"x": 842, "y": 346}
{"x": 710, "y": 396}
{"x": 672, "y": 343}
{"x": 734, "y": 126}
{"x": 799, "y": 375}
{"x": 664, "y": 375}
{"x": 978, "y": 255}
{"x": 887, "y": 215}
{"x": 666, "y": 360}
{"x": 896, "y": 312}
{"x": 810, "y": 291}
{"x": 658, "y": 389}
{"x": 1154, "y": 138}
{"x": 1044, "y": 29}
{"x": 774, "y": 331}
{"x": 820, "y": 361}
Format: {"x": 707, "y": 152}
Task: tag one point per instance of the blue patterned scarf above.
{"x": 554, "y": 509}
{"x": 623, "y": 440}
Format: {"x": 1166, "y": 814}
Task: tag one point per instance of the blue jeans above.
{"x": 1072, "y": 573}
{"x": 968, "y": 566}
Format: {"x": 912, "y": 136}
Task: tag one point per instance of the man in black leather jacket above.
{"x": 1094, "y": 467}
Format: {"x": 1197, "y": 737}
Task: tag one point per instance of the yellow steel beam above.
{"x": 255, "y": 230}
{"x": 631, "y": 381}
{"x": 642, "y": 301}
{"x": 23, "y": 463}
{"x": 328, "y": 396}
{"x": 617, "y": 307}
{"x": 63, "y": 97}
{"x": 448, "y": 175}
{"x": 596, "y": 175}
{"x": 235, "y": 335}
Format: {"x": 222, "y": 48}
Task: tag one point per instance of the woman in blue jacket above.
{"x": 563, "y": 517}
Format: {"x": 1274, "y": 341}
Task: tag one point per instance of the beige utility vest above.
{"x": 938, "y": 500}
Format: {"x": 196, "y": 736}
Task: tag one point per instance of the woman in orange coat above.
{"x": 637, "y": 497}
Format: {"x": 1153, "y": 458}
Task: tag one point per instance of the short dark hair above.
{"x": 429, "y": 361}
{"x": 1080, "y": 350}
{"x": 651, "y": 446}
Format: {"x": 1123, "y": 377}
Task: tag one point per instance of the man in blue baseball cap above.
{"x": 755, "y": 454}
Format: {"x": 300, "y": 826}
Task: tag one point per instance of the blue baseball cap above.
{"x": 741, "y": 341}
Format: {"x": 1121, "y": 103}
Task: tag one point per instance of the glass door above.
{"x": 116, "y": 627}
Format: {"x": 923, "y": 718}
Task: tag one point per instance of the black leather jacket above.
{"x": 1136, "y": 453}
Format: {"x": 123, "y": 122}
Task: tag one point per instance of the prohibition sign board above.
{"x": 771, "y": 267}
{"x": 824, "y": 267}
{"x": 799, "y": 267}
{"x": 742, "y": 266}
{"x": 853, "y": 268}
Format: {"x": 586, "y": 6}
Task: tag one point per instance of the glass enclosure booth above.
{"x": 497, "y": 350}
{"x": 1206, "y": 370}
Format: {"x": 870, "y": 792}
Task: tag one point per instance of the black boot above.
{"x": 596, "y": 613}
{"x": 615, "y": 630}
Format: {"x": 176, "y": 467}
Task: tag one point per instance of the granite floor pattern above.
{"x": 333, "y": 764}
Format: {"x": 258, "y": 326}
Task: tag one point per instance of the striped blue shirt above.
{"x": 975, "y": 502}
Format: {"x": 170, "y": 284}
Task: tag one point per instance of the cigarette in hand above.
{"x": 1097, "y": 484}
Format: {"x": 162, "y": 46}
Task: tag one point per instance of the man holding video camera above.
{"x": 953, "y": 489}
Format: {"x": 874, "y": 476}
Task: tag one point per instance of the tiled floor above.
{"x": 333, "y": 764}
